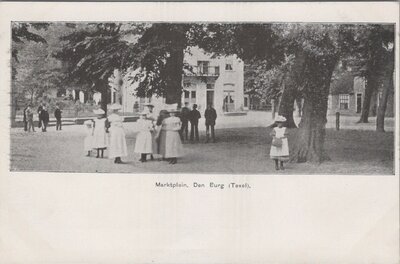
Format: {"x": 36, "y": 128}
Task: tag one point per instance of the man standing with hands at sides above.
{"x": 185, "y": 114}
{"x": 194, "y": 123}
{"x": 210, "y": 115}
{"x": 57, "y": 115}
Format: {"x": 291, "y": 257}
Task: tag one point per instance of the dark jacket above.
{"x": 185, "y": 114}
{"x": 57, "y": 113}
{"x": 194, "y": 116}
{"x": 211, "y": 116}
{"x": 44, "y": 116}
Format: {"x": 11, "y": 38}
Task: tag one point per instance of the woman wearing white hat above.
{"x": 144, "y": 140}
{"x": 117, "y": 144}
{"x": 279, "y": 146}
{"x": 171, "y": 145}
{"x": 99, "y": 132}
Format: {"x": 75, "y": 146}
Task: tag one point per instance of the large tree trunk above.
{"x": 174, "y": 77}
{"x": 103, "y": 89}
{"x": 286, "y": 106}
{"x": 14, "y": 106}
{"x": 387, "y": 88}
{"x": 370, "y": 87}
{"x": 310, "y": 137}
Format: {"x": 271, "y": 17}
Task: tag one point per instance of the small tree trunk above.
{"x": 104, "y": 96}
{"x": 273, "y": 103}
{"x": 299, "y": 104}
{"x": 380, "y": 119}
{"x": 369, "y": 90}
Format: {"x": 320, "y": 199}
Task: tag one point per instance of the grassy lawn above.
{"x": 237, "y": 151}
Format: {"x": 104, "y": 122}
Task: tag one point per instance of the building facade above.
{"x": 348, "y": 98}
{"x": 206, "y": 80}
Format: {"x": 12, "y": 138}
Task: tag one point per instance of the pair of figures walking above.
{"x": 159, "y": 137}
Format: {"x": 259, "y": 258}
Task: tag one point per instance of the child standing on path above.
{"x": 88, "y": 141}
{"x": 99, "y": 134}
{"x": 279, "y": 146}
{"x": 144, "y": 139}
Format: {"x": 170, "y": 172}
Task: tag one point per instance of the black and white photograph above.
{"x": 153, "y": 97}
{"x": 199, "y": 132}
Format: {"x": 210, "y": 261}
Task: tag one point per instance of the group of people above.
{"x": 158, "y": 135}
{"x": 43, "y": 116}
{"x": 193, "y": 116}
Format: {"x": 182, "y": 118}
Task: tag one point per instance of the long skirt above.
{"x": 100, "y": 138}
{"x": 144, "y": 143}
{"x": 117, "y": 145}
{"x": 170, "y": 144}
{"x": 280, "y": 153}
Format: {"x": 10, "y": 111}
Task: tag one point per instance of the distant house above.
{"x": 206, "y": 80}
{"x": 346, "y": 96}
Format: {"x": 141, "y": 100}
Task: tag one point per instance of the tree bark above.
{"x": 103, "y": 89}
{"x": 380, "y": 119}
{"x": 370, "y": 87}
{"x": 286, "y": 106}
{"x": 310, "y": 137}
{"x": 174, "y": 77}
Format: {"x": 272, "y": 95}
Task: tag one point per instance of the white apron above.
{"x": 170, "y": 140}
{"x": 88, "y": 141}
{"x": 144, "y": 139}
{"x": 100, "y": 138}
{"x": 281, "y": 153}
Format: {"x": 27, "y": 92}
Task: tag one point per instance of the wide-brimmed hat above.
{"x": 115, "y": 107}
{"x": 280, "y": 118}
{"x": 99, "y": 111}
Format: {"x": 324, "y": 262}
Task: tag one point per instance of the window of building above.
{"x": 193, "y": 94}
{"x": 187, "y": 84}
{"x": 210, "y": 86}
{"x": 228, "y": 67}
{"x": 344, "y": 101}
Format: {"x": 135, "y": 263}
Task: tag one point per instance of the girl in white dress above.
{"x": 88, "y": 141}
{"x": 117, "y": 145}
{"x": 170, "y": 141}
{"x": 144, "y": 139}
{"x": 100, "y": 141}
{"x": 280, "y": 146}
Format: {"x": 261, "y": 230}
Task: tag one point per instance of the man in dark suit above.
{"x": 44, "y": 117}
{"x": 210, "y": 115}
{"x": 185, "y": 114}
{"x": 25, "y": 120}
{"x": 57, "y": 115}
{"x": 194, "y": 123}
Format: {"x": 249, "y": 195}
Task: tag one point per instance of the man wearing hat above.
{"x": 279, "y": 146}
{"x": 170, "y": 141}
{"x": 194, "y": 123}
{"x": 185, "y": 114}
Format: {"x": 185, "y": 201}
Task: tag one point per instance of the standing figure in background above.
{"x": 29, "y": 117}
{"x": 280, "y": 145}
{"x": 185, "y": 114}
{"x": 194, "y": 123}
{"x": 89, "y": 139}
{"x": 152, "y": 116}
{"x": 25, "y": 119}
{"x": 159, "y": 132}
{"x": 100, "y": 141}
{"x": 144, "y": 139}
{"x": 57, "y": 115}
{"x": 39, "y": 112}
{"x": 211, "y": 115}
{"x": 117, "y": 144}
{"x": 44, "y": 117}
{"x": 171, "y": 146}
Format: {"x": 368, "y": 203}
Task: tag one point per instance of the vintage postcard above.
{"x": 199, "y": 132}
